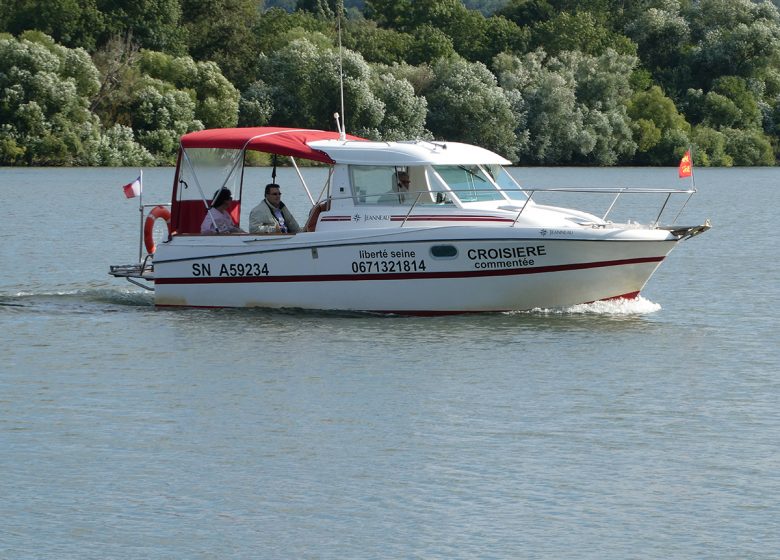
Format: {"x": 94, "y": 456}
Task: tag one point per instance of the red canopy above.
{"x": 270, "y": 139}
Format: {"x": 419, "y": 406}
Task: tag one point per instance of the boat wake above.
{"x": 638, "y": 306}
{"x": 612, "y": 307}
{"x": 86, "y": 300}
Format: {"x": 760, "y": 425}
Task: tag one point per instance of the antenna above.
{"x": 343, "y": 127}
{"x": 338, "y": 126}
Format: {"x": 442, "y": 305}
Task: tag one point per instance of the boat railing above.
{"x": 618, "y": 192}
{"x": 144, "y": 268}
{"x": 529, "y": 193}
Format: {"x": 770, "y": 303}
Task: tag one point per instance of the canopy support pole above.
{"x": 200, "y": 189}
{"x": 141, "y": 213}
{"x": 303, "y": 182}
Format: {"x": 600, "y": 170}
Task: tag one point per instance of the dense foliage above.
{"x": 583, "y": 82}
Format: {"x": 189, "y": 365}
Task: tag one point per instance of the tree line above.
{"x": 542, "y": 82}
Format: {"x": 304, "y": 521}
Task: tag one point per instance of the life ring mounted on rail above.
{"x": 157, "y": 212}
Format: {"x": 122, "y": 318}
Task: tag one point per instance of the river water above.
{"x": 640, "y": 430}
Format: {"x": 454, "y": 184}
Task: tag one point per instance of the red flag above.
{"x": 133, "y": 189}
{"x": 686, "y": 165}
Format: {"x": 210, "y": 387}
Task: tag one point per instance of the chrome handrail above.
{"x": 527, "y": 200}
{"x": 530, "y": 192}
{"x": 614, "y": 200}
{"x": 618, "y": 192}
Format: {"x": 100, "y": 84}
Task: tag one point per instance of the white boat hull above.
{"x": 410, "y": 270}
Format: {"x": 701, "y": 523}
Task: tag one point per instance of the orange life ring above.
{"x": 157, "y": 212}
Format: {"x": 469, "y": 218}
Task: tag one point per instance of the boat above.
{"x": 466, "y": 237}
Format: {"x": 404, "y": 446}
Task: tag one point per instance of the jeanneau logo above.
{"x": 543, "y": 232}
{"x": 356, "y": 217}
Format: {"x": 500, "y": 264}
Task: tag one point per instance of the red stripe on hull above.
{"x": 629, "y": 295}
{"x": 450, "y": 219}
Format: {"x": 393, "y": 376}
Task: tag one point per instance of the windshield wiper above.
{"x": 470, "y": 172}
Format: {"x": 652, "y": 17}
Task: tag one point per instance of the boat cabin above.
{"x": 364, "y": 175}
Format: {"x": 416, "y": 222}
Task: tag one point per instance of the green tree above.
{"x": 466, "y": 28}
{"x": 303, "y": 82}
{"x": 286, "y": 5}
{"x": 710, "y": 147}
{"x": 45, "y": 92}
{"x": 255, "y": 107}
{"x": 153, "y": 24}
{"x": 118, "y": 147}
{"x": 503, "y": 35}
{"x": 222, "y": 31}
{"x": 572, "y": 108}
{"x": 662, "y": 36}
{"x": 428, "y": 45}
{"x": 327, "y": 9}
{"x": 527, "y": 12}
{"x": 660, "y": 130}
{"x": 578, "y": 31}
{"x": 465, "y": 104}
{"x": 748, "y": 147}
{"x": 487, "y": 7}
{"x": 729, "y": 104}
{"x": 420, "y": 77}
{"x": 215, "y": 98}
{"x": 736, "y": 90}
{"x": 404, "y": 112}
{"x": 44, "y": 89}
{"x": 473, "y": 36}
{"x": 377, "y": 44}
{"x": 72, "y": 23}
{"x": 160, "y": 115}
{"x": 732, "y": 38}
{"x": 394, "y": 14}
{"x": 770, "y": 110}
{"x": 272, "y": 30}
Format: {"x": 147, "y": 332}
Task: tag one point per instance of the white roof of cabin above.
{"x": 406, "y": 153}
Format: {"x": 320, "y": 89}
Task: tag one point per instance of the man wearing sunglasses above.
{"x": 272, "y": 215}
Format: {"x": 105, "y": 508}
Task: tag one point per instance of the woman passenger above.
{"x": 218, "y": 218}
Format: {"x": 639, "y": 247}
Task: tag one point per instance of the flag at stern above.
{"x": 133, "y": 189}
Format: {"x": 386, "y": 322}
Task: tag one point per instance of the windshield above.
{"x": 468, "y": 182}
{"x": 507, "y": 183}
{"x": 206, "y": 170}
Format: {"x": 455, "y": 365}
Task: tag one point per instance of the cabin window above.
{"x": 444, "y": 251}
{"x": 375, "y": 184}
{"x": 469, "y": 182}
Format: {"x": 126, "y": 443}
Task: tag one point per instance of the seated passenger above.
{"x": 400, "y": 193}
{"x": 217, "y": 219}
{"x": 272, "y": 215}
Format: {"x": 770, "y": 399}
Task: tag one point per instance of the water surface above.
{"x": 639, "y": 430}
